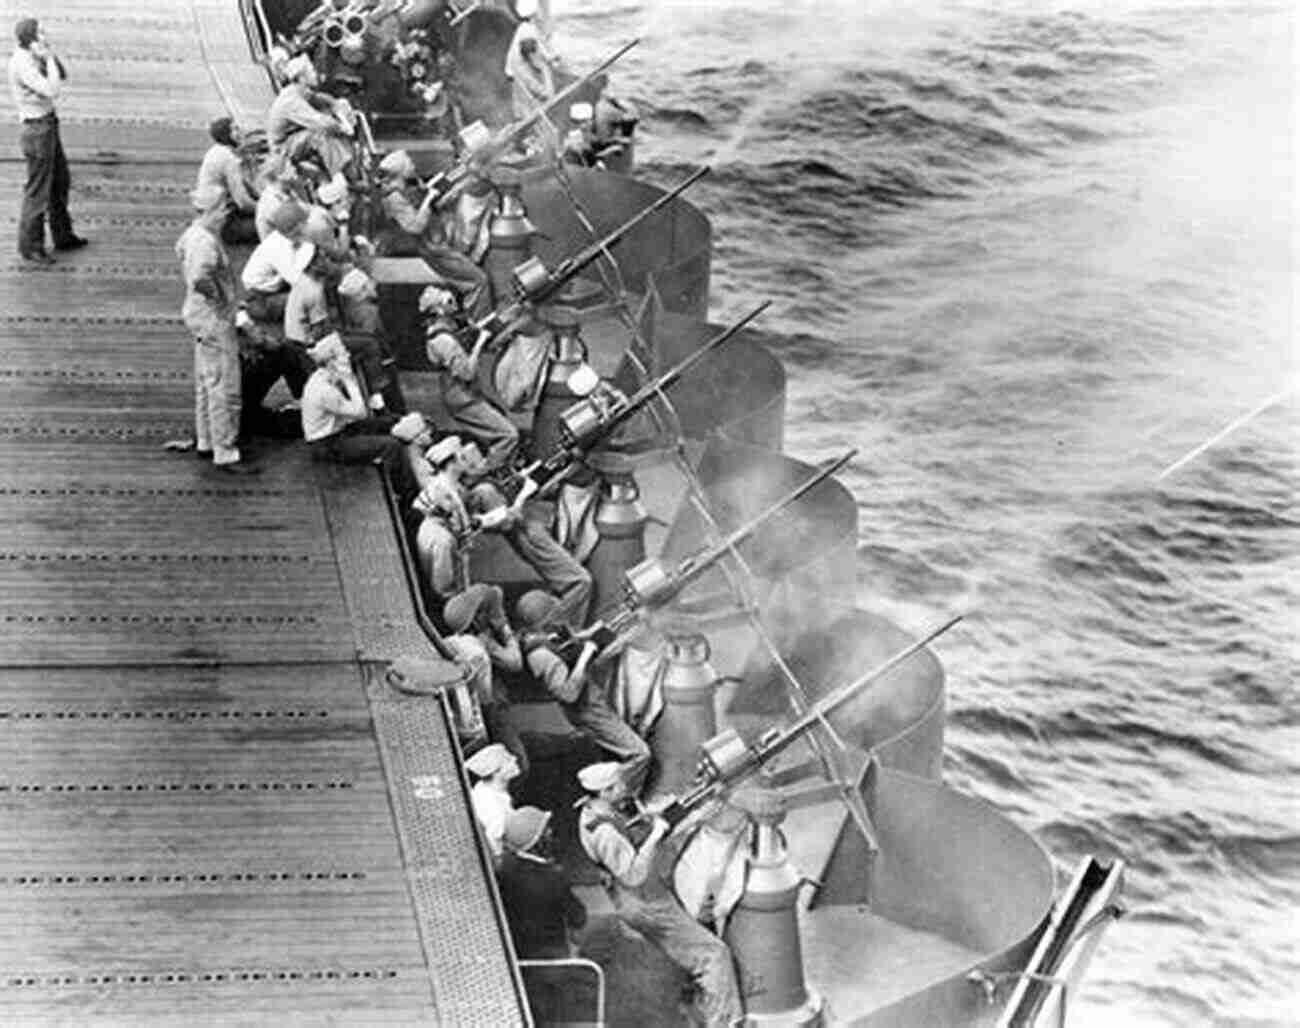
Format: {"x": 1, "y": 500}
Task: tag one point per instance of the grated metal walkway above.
{"x": 207, "y": 807}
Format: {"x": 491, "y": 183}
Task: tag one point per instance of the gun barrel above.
{"x": 585, "y": 257}
{"x": 692, "y": 567}
{"x": 766, "y": 749}
{"x": 678, "y": 370}
{"x": 512, "y": 132}
{"x": 832, "y": 702}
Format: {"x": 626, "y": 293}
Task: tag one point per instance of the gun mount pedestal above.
{"x": 510, "y": 236}
{"x": 763, "y": 931}
{"x": 568, "y": 352}
{"x": 689, "y": 718}
{"x": 620, "y": 521}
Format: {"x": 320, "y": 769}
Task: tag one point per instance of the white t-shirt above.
{"x": 492, "y": 807}
{"x": 326, "y": 411}
{"x": 271, "y": 266}
{"x": 305, "y": 307}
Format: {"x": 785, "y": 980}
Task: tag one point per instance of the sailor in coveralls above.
{"x": 470, "y": 411}
{"x": 579, "y": 695}
{"x": 637, "y": 870}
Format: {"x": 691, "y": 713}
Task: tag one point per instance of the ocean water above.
{"x": 1027, "y": 256}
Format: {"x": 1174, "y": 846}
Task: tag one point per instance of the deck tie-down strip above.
{"x": 463, "y": 946}
{"x": 95, "y": 879}
{"x": 231, "y": 976}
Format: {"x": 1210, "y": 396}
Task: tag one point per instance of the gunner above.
{"x": 414, "y": 229}
{"x": 301, "y": 121}
{"x": 578, "y": 693}
{"x": 637, "y": 871}
{"x": 471, "y": 412}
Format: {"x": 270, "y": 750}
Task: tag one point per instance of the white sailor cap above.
{"x": 409, "y": 427}
{"x": 443, "y": 450}
{"x": 302, "y": 257}
{"x": 297, "y": 67}
{"x": 488, "y": 761}
{"x": 596, "y": 777}
{"x": 580, "y": 112}
{"x": 333, "y": 191}
{"x": 328, "y": 348}
{"x": 355, "y": 284}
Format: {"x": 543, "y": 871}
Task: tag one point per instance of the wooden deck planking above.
{"x": 182, "y": 692}
{"x": 293, "y": 690}
{"x": 223, "y": 832}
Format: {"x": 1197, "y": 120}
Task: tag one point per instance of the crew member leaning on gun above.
{"x": 470, "y": 411}
{"x": 637, "y": 872}
{"x": 570, "y": 683}
{"x": 414, "y": 229}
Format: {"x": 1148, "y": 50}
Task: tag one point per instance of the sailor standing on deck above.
{"x": 209, "y": 313}
{"x": 36, "y": 78}
{"x": 529, "y": 62}
{"x": 637, "y": 870}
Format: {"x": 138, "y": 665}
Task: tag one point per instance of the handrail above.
{"x": 257, "y": 27}
{"x": 427, "y": 627}
{"x": 581, "y": 962}
{"x": 485, "y": 856}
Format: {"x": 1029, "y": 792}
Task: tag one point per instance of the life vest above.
{"x": 658, "y": 884}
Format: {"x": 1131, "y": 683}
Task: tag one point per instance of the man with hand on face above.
{"x": 337, "y": 425}
{"x": 36, "y": 79}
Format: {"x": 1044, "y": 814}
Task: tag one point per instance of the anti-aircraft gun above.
{"x": 727, "y": 760}
{"x": 535, "y": 283}
{"x": 482, "y": 148}
{"x": 651, "y": 584}
{"x": 593, "y": 419}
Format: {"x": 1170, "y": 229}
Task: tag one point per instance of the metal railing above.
{"x": 577, "y": 964}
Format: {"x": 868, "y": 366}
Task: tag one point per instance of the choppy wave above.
{"x": 1026, "y": 256}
